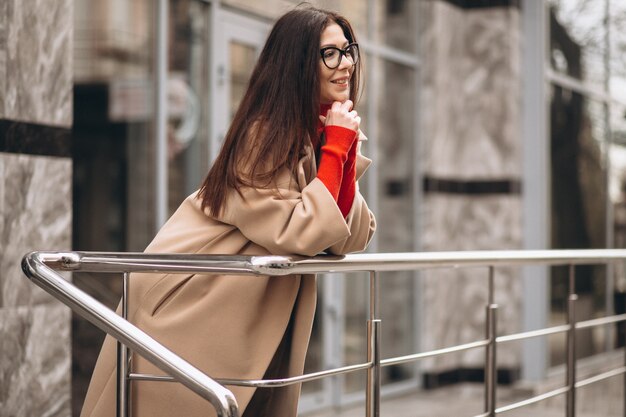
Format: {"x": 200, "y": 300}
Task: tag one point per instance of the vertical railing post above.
{"x": 570, "y": 405}
{"x": 491, "y": 367}
{"x": 372, "y": 394}
{"x": 123, "y": 359}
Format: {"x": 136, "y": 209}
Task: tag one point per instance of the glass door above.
{"x": 238, "y": 43}
{"x": 188, "y": 92}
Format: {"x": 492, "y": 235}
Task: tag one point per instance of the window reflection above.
{"x": 578, "y": 39}
{"x": 617, "y": 54}
{"x": 356, "y": 296}
{"x": 395, "y": 23}
{"x": 578, "y": 172}
{"x": 617, "y": 192}
{"x": 187, "y": 99}
{"x": 355, "y": 10}
{"x": 396, "y": 142}
{"x": 315, "y": 353}
{"x": 242, "y": 60}
{"x": 113, "y": 152}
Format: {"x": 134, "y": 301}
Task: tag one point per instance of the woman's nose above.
{"x": 345, "y": 62}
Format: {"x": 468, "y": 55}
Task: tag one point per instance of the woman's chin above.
{"x": 341, "y": 97}
{"x": 331, "y": 98}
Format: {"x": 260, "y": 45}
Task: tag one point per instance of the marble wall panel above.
{"x": 38, "y": 61}
{"x": 462, "y": 222}
{"x": 470, "y": 131}
{"x": 470, "y": 97}
{"x": 36, "y": 363}
{"x": 36, "y": 41}
{"x": 3, "y": 17}
{"x": 453, "y": 222}
{"x": 35, "y": 214}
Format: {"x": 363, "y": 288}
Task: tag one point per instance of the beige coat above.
{"x": 235, "y": 326}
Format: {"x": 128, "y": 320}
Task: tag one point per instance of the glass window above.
{"x": 114, "y": 147}
{"x": 578, "y": 135}
{"x": 579, "y": 192}
{"x": 578, "y": 39}
{"x": 113, "y": 152}
{"x": 242, "y": 60}
{"x": 271, "y": 9}
{"x": 187, "y": 99}
{"x": 617, "y": 69}
{"x": 116, "y": 44}
{"x": 396, "y": 168}
{"x": 395, "y": 24}
{"x": 363, "y": 107}
{"x": 617, "y": 177}
{"x": 354, "y": 10}
{"x": 315, "y": 353}
{"x": 356, "y": 313}
{"x": 617, "y": 193}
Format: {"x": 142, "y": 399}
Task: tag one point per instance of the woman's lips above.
{"x": 341, "y": 82}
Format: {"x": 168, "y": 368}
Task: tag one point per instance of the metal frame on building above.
{"x": 535, "y": 200}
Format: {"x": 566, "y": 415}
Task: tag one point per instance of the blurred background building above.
{"x": 493, "y": 124}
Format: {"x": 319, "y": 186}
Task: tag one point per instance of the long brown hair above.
{"x": 278, "y": 114}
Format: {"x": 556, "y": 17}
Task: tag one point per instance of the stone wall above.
{"x": 35, "y": 201}
{"x": 471, "y": 162}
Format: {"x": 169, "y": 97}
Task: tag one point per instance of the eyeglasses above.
{"x": 332, "y": 56}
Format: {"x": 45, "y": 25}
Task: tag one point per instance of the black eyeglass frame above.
{"x": 342, "y": 53}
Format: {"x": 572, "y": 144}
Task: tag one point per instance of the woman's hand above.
{"x": 341, "y": 114}
{"x": 341, "y": 129}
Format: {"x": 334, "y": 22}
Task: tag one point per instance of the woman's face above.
{"x": 334, "y": 83}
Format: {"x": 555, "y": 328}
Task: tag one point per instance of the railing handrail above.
{"x": 37, "y": 266}
{"x": 34, "y": 266}
{"x": 286, "y": 265}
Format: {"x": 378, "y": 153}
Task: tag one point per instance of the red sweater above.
{"x": 337, "y": 168}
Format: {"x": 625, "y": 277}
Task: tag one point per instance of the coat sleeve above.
{"x": 360, "y": 220}
{"x": 287, "y": 219}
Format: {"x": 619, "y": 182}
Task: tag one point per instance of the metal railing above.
{"x": 40, "y": 266}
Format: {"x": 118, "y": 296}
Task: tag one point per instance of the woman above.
{"x": 265, "y": 194}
